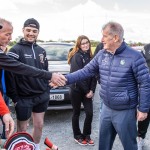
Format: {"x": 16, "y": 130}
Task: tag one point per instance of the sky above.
{"x": 67, "y": 19}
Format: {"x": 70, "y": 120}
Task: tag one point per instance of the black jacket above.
{"x": 98, "y": 48}
{"x": 24, "y": 86}
{"x": 78, "y": 61}
{"x": 10, "y": 64}
{"x": 147, "y": 54}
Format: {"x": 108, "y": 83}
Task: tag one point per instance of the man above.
{"x": 5, "y": 97}
{"x": 98, "y": 48}
{"x": 11, "y": 64}
{"x": 5, "y": 114}
{"x": 31, "y": 95}
{"x": 143, "y": 125}
{"x": 123, "y": 76}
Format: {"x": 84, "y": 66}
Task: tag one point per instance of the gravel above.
{"x": 58, "y": 128}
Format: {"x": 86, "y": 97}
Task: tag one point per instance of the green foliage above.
{"x": 93, "y": 43}
{"x": 93, "y": 49}
{"x": 12, "y": 43}
{"x": 41, "y": 41}
{"x": 130, "y": 43}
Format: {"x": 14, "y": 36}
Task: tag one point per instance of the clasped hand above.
{"x": 57, "y": 80}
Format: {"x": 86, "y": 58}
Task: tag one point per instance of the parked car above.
{"x": 57, "y": 53}
{"x": 139, "y": 48}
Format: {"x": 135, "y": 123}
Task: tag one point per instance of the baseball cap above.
{"x": 31, "y": 22}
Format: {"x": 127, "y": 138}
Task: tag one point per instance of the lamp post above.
{"x": 83, "y": 24}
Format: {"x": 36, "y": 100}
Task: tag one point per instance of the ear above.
{"x": 116, "y": 37}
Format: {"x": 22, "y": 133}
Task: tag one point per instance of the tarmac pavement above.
{"x": 58, "y": 128}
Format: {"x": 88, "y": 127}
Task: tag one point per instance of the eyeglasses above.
{"x": 87, "y": 42}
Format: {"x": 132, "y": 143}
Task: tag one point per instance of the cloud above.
{"x": 132, "y": 5}
{"x": 7, "y": 5}
{"x": 55, "y": 6}
{"x": 67, "y": 19}
{"x": 81, "y": 19}
{"x": 116, "y": 6}
{"x": 29, "y": 2}
{"x": 46, "y": 6}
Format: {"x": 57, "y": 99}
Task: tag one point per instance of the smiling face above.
{"x": 85, "y": 45}
{"x": 6, "y": 34}
{"x": 30, "y": 34}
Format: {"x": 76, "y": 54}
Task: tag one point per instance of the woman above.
{"x": 83, "y": 91}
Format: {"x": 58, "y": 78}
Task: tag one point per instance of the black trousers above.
{"x": 2, "y": 131}
{"x": 143, "y": 126}
{"x": 78, "y": 97}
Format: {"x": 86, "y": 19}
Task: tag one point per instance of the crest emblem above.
{"x": 41, "y": 58}
{"x": 122, "y": 62}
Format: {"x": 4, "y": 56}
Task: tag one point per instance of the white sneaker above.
{"x": 37, "y": 147}
{"x": 140, "y": 143}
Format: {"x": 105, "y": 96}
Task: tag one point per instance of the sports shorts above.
{"x": 25, "y": 106}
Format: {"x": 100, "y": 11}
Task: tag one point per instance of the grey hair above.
{"x": 4, "y": 21}
{"x": 114, "y": 29}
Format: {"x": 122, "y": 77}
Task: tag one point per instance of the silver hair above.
{"x": 4, "y": 21}
{"x": 114, "y": 29}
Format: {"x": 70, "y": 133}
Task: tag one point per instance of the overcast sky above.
{"x": 67, "y": 19}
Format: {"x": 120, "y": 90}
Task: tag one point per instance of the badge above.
{"x": 122, "y": 62}
{"x": 41, "y": 58}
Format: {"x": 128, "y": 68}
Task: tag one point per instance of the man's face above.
{"x": 108, "y": 40}
{"x": 30, "y": 34}
{"x": 5, "y": 34}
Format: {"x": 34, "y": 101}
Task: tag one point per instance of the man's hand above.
{"x": 54, "y": 86}
{"x": 141, "y": 116}
{"x": 9, "y": 125}
{"x": 90, "y": 94}
{"x": 58, "y": 79}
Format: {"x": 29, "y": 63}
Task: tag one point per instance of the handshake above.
{"x": 57, "y": 80}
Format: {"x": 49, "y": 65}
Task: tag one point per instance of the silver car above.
{"x": 57, "y": 53}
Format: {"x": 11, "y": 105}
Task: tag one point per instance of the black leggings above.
{"x": 143, "y": 126}
{"x": 77, "y": 97}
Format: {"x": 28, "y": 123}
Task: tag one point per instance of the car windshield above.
{"x": 57, "y": 52}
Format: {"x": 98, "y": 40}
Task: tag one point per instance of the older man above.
{"x": 123, "y": 77}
